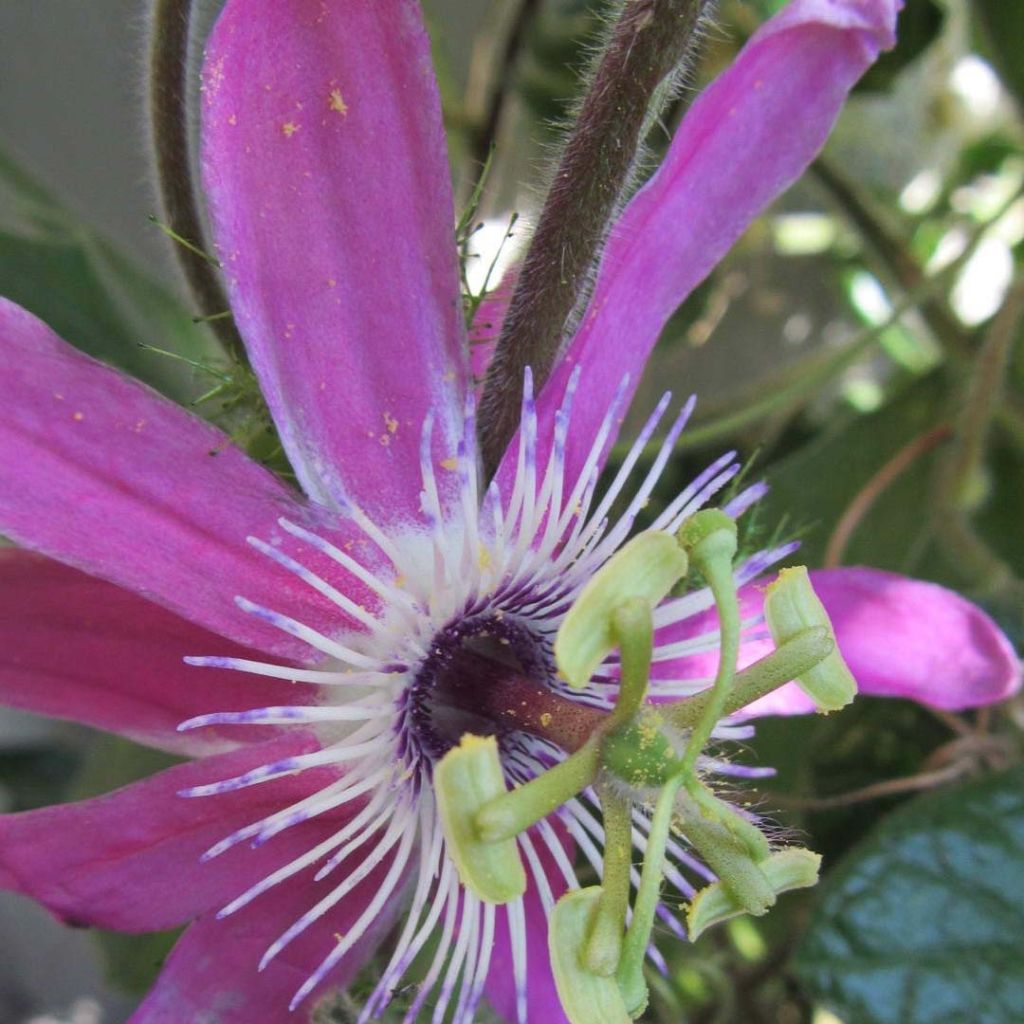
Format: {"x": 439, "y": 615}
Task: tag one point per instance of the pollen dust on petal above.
{"x": 289, "y": 128}
{"x": 545, "y": 719}
{"x": 337, "y": 102}
{"x": 78, "y": 416}
{"x": 450, "y": 464}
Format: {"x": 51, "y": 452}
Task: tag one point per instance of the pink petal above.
{"x": 900, "y": 637}
{"x": 907, "y": 638}
{"x": 74, "y": 646}
{"x": 325, "y": 165}
{"x": 130, "y": 860}
{"x": 100, "y": 472}
{"x": 486, "y": 327}
{"x": 211, "y": 975}
{"x": 749, "y": 135}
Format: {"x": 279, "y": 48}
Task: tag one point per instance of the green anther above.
{"x": 646, "y": 568}
{"x": 785, "y": 870}
{"x": 712, "y": 809}
{"x": 638, "y": 936}
{"x": 709, "y": 536}
{"x": 730, "y": 857}
{"x": 791, "y": 606}
{"x": 586, "y": 998}
{"x": 604, "y": 944}
{"x": 790, "y": 659}
{"x": 514, "y": 812}
{"x": 639, "y": 753}
{"x": 467, "y": 778}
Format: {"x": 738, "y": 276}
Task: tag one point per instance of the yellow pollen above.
{"x": 450, "y": 464}
{"x": 337, "y": 102}
{"x": 79, "y": 416}
{"x": 484, "y": 557}
{"x": 391, "y": 423}
{"x": 545, "y": 719}
{"x": 289, "y": 128}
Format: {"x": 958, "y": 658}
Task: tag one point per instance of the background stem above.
{"x": 169, "y": 120}
{"x": 649, "y": 41}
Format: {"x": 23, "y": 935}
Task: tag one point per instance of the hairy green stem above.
{"x": 647, "y": 43}
{"x": 638, "y": 937}
{"x": 168, "y": 106}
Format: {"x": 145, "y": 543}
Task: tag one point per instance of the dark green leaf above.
{"x": 815, "y": 485}
{"x": 921, "y": 924}
{"x": 920, "y": 23}
{"x": 68, "y": 275}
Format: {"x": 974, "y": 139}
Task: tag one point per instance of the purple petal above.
{"x": 325, "y": 165}
{"x": 130, "y": 860}
{"x": 487, "y": 323}
{"x": 211, "y": 974}
{"x": 749, "y": 135}
{"x": 73, "y": 646}
{"x": 907, "y": 638}
{"x": 100, "y": 472}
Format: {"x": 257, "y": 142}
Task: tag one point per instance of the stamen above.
{"x": 310, "y": 636}
{"x": 321, "y": 677}
{"x": 392, "y": 595}
{"x": 305, "y": 860}
{"x": 634, "y": 453}
{"x": 550, "y": 501}
{"x": 369, "y": 915}
{"x": 356, "y": 611}
{"x": 288, "y": 714}
{"x": 450, "y": 900}
{"x": 467, "y": 933}
{"x": 686, "y": 497}
{"x": 351, "y": 786}
{"x": 704, "y": 495}
{"x": 417, "y": 929}
{"x": 265, "y": 773}
{"x": 516, "y": 916}
{"x": 743, "y": 501}
{"x": 583, "y": 484}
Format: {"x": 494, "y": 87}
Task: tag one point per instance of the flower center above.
{"x": 452, "y": 692}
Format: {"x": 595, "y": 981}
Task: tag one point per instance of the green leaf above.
{"x": 812, "y": 488}
{"x": 921, "y": 924}
{"x": 71, "y": 277}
